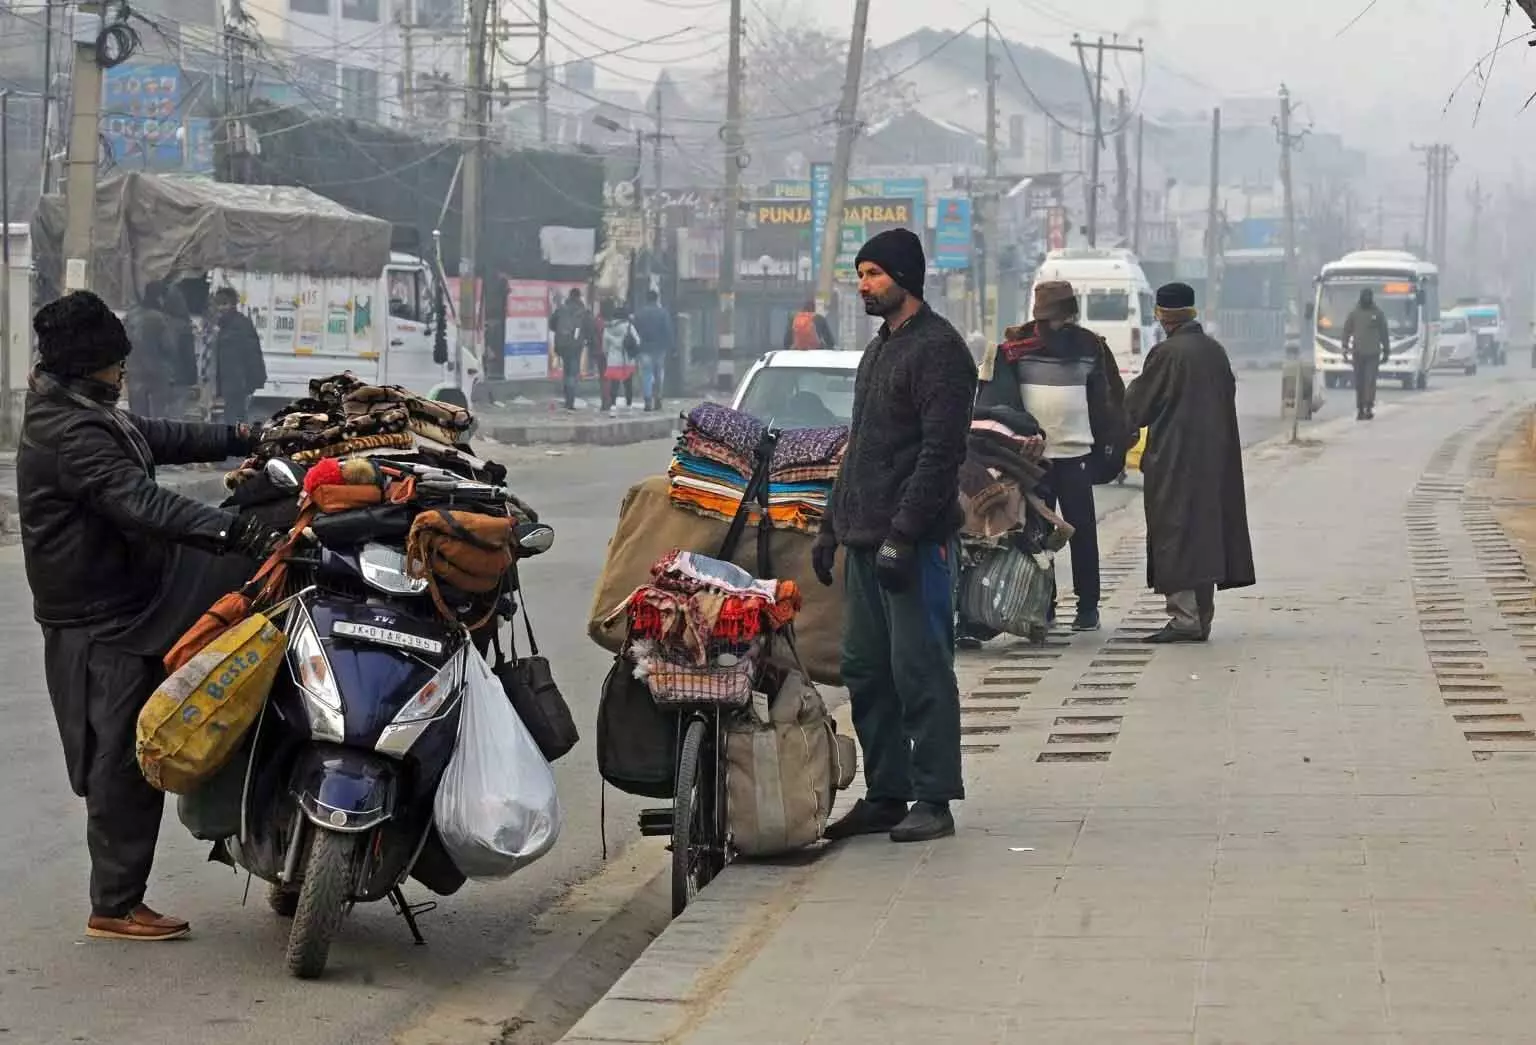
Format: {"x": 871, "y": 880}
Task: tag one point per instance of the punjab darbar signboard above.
{"x": 776, "y": 226}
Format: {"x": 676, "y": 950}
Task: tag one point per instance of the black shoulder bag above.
{"x": 531, "y": 688}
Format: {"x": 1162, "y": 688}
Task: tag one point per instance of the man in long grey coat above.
{"x": 1197, "y": 513}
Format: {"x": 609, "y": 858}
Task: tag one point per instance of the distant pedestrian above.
{"x": 619, "y": 347}
{"x": 1067, "y": 377}
{"x": 1367, "y": 344}
{"x": 895, "y": 509}
{"x": 575, "y": 336}
{"x": 809, "y": 329}
{"x": 657, "y": 340}
{"x": 1196, "y": 507}
{"x": 239, "y": 368}
{"x": 154, "y": 340}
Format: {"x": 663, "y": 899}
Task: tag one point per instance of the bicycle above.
{"x": 696, "y": 820}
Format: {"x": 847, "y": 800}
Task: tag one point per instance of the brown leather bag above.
{"x": 465, "y": 550}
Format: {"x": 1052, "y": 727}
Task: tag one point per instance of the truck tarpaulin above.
{"x": 158, "y": 226}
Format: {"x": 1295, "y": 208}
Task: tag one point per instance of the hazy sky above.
{"x": 1384, "y": 81}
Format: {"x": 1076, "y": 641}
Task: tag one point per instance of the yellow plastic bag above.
{"x": 1133, "y": 457}
{"x": 194, "y": 722}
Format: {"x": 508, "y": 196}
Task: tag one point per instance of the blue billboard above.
{"x": 952, "y": 233}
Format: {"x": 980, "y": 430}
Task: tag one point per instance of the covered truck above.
{"x": 318, "y": 280}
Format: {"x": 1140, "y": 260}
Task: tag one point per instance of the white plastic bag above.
{"x": 497, "y": 810}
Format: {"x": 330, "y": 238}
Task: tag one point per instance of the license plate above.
{"x": 386, "y": 637}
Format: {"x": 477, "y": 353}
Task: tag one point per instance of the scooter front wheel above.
{"x": 323, "y": 902}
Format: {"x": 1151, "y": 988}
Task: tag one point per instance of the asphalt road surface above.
{"x": 226, "y": 985}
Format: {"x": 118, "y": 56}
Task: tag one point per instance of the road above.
{"x": 226, "y": 985}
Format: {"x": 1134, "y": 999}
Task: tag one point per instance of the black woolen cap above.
{"x": 78, "y": 335}
{"x": 900, "y": 253}
{"x": 1175, "y": 295}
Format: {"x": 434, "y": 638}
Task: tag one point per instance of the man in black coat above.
{"x": 98, "y": 536}
{"x": 153, "y": 336}
{"x": 1197, "y": 514}
{"x": 238, "y": 362}
{"x": 895, "y": 508}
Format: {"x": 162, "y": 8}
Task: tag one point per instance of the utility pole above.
{"x": 47, "y": 123}
{"x": 1288, "y": 143}
{"x": 84, "y": 149}
{"x": 847, "y": 131}
{"x": 1095, "y": 84}
{"x": 473, "y": 134}
{"x": 1213, "y": 221}
{"x": 1122, "y": 174}
{"x": 7, "y": 407}
{"x": 543, "y": 60}
{"x": 406, "y": 22}
{"x": 725, "y": 328}
{"x": 1141, "y": 127}
{"x": 989, "y": 195}
{"x": 656, "y": 139}
{"x": 1431, "y": 156}
{"x": 1448, "y": 160}
{"x": 1477, "y": 199}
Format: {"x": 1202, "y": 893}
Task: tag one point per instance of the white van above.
{"x": 1458, "y": 343}
{"x": 1114, "y": 299}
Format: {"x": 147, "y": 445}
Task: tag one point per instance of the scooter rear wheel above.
{"x": 323, "y": 902}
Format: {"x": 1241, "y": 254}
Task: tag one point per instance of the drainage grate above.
{"x": 1073, "y": 756}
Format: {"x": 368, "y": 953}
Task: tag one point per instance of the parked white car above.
{"x": 800, "y": 388}
{"x": 1458, "y": 343}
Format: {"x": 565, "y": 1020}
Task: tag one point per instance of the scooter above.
{"x": 345, "y": 762}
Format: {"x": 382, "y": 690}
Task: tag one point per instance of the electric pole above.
{"x": 1448, "y": 160}
{"x": 84, "y": 150}
{"x": 1213, "y": 235}
{"x": 1122, "y": 174}
{"x": 475, "y": 98}
{"x": 7, "y": 406}
{"x": 406, "y": 22}
{"x": 1431, "y": 158}
{"x": 1141, "y": 128}
{"x": 725, "y": 328}
{"x": 1477, "y": 199}
{"x": 543, "y": 60}
{"x": 656, "y": 139}
{"x": 989, "y": 195}
{"x": 847, "y": 131}
{"x": 1288, "y": 143}
{"x": 1095, "y": 84}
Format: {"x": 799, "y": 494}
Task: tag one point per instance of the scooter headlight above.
{"x": 317, "y": 683}
{"x": 384, "y": 568}
{"x": 429, "y": 700}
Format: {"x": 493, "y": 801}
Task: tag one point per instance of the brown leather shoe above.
{"x": 142, "y": 925}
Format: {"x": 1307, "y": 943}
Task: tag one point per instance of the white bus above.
{"x": 1407, "y": 290}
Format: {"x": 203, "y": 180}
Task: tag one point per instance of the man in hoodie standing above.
{"x": 1067, "y": 377}
{"x": 895, "y": 510}
{"x": 1367, "y": 344}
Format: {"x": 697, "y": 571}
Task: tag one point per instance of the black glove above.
{"x": 893, "y": 565}
{"x": 823, "y": 559}
{"x": 243, "y": 439}
{"x": 250, "y": 536}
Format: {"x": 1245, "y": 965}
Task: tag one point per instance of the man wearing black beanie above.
{"x": 895, "y": 510}
{"x": 99, "y": 539}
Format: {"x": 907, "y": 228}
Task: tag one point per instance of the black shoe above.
{"x": 868, "y": 818}
{"x": 1086, "y": 620}
{"x": 1169, "y": 635}
{"x": 1370, "y": 415}
{"x": 1359, "y": 415}
{"x": 968, "y": 643}
{"x": 925, "y": 822}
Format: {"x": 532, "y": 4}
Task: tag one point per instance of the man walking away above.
{"x": 239, "y": 367}
{"x": 572, "y": 327}
{"x": 809, "y": 329}
{"x": 895, "y": 508}
{"x": 1368, "y": 344}
{"x": 1068, "y": 378}
{"x": 99, "y": 539}
{"x": 1197, "y": 513}
{"x": 153, "y": 337}
{"x": 653, "y": 329}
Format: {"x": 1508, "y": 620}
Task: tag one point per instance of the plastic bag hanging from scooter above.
{"x": 497, "y": 810}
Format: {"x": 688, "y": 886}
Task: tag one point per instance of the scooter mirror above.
{"x": 283, "y": 474}
{"x": 534, "y": 538}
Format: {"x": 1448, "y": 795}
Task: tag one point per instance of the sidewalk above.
{"x": 1315, "y": 830}
{"x": 528, "y": 422}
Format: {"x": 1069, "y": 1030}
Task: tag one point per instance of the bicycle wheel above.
{"x": 692, "y": 820}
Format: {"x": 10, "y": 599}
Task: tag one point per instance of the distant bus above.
{"x": 1407, "y": 290}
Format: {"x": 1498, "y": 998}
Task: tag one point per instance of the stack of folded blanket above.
{"x": 1002, "y": 469}
{"x": 697, "y": 630}
{"x": 343, "y": 415}
{"x": 714, "y": 460}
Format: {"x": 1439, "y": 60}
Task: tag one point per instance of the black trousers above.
{"x": 570, "y": 373}
{"x": 97, "y": 693}
{"x": 1071, "y": 493}
{"x": 898, "y": 661}
{"x": 1365, "y": 381}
